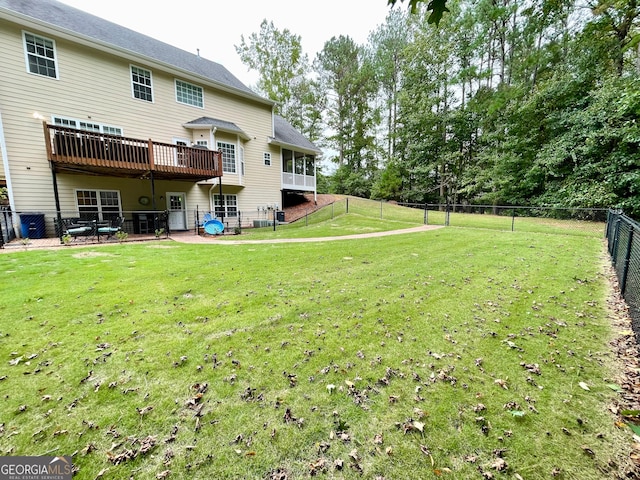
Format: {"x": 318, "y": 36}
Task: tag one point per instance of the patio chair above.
{"x": 76, "y": 227}
{"x": 111, "y": 228}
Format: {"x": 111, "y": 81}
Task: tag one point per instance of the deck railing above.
{"x": 298, "y": 181}
{"x": 80, "y": 148}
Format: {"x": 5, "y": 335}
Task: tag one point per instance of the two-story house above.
{"x": 97, "y": 119}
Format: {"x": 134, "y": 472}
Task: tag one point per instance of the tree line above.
{"x": 505, "y": 102}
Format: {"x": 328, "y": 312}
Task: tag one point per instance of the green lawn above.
{"x": 353, "y": 215}
{"x": 444, "y": 354}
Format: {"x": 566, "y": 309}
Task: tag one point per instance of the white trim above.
{"x": 175, "y": 84}
{"x": 235, "y": 156}
{"x": 226, "y": 203}
{"x": 26, "y": 54}
{"x": 183, "y": 212}
{"x": 78, "y": 122}
{"x": 133, "y": 93}
{"x": 99, "y": 205}
{"x": 127, "y": 54}
{"x": 175, "y": 141}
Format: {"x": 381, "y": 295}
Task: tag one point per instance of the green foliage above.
{"x": 283, "y": 67}
{"x": 349, "y": 78}
{"x": 345, "y": 181}
{"x": 506, "y": 102}
{"x": 436, "y": 7}
{"x": 388, "y": 184}
{"x": 546, "y": 115}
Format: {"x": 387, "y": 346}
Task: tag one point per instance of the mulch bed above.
{"x": 291, "y": 214}
{"x": 625, "y": 346}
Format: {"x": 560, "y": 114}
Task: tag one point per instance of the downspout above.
{"x": 5, "y": 164}
{"x": 221, "y": 202}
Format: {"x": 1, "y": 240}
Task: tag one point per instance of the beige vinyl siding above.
{"x": 96, "y": 86}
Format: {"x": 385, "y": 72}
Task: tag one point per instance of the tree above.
{"x": 348, "y": 79}
{"x": 436, "y": 7}
{"x": 387, "y": 44}
{"x": 277, "y": 56}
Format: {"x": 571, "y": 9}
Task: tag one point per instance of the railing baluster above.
{"x": 77, "y": 147}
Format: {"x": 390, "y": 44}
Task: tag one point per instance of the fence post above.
{"x": 426, "y": 215}
{"x": 627, "y": 260}
{"x": 380, "y": 209}
{"x": 616, "y": 236}
{"x": 347, "y": 211}
{"x": 513, "y": 219}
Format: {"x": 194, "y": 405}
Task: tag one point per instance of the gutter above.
{"x": 26, "y": 21}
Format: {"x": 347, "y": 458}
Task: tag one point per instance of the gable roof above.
{"x": 66, "y": 19}
{"x": 287, "y": 136}
{"x": 215, "y": 123}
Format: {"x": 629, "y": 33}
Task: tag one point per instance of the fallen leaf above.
{"x": 499, "y": 464}
{"x": 588, "y": 451}
{"x": 501, "y": 382}
{"x": 584, "y": 386}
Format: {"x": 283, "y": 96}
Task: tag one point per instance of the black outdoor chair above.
{"x": 111, "y": 228}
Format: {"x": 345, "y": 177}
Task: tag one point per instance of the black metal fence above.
{"x": 7, "y": 232}
{"x": 47, "y": 227}
{"x": 623, "y": 237}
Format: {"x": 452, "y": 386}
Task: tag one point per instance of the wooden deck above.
{"x": 79, "y": 151}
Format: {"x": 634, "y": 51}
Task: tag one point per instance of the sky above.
{"x": 215, "y": 26}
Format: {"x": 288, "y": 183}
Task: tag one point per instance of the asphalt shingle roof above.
{"x": 216, "y": 123}
{"x": 62, "y": 16}
{"x": 68, "y": 18}
{"x": 286, "y": 134}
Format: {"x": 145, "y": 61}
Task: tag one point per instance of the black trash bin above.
{"x": 280, "y": 216}
{"x": 32, "y": 225}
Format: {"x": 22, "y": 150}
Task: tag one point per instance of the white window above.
{"x": 141, "y": 84}
{"x": 266, "y": 156}
{"x": 40, "y": 54}
{"x": 189, "y": 94}
{"x": 88, "y": 126}
{"x": 228, "y": 157}
{"x": 98, "y": 204}
{"x": 202, "y": 143}
{"x": 230, "y": 205}
{"x": 181, "y": 150}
